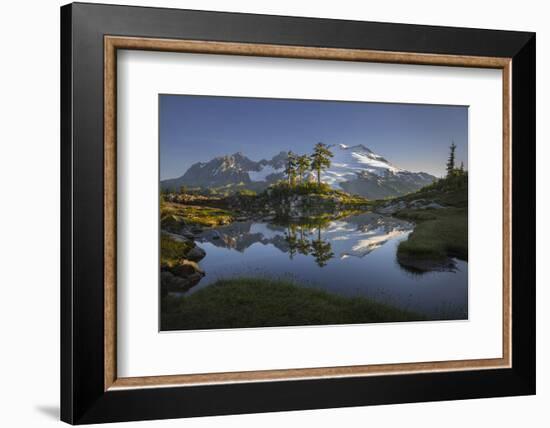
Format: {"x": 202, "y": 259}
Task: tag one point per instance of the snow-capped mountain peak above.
{"x": 351, "y": 162}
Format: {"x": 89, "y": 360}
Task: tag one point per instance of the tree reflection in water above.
{"x": 296, "y": 237}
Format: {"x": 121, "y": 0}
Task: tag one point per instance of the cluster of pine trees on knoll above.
{"x": 298, "y": 166}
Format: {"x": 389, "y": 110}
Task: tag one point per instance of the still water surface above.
{"x": 355, "y": 256}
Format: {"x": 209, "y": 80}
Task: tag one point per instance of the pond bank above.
{"x": 440, "y": 215}
{"x": 438, "y": 237}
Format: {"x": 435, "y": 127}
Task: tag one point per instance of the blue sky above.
{"x": 411, "y": 136}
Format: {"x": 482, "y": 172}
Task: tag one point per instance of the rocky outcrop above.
{"x": 274, "y": 204}
{"x": 302, "y": 206}
{"x": 185, "y": 268}
{"x": 179, "y": 268}
{"x": 171, "y": 282}
{"x": 180, "y": 277}
{"x": 196, "y": 254}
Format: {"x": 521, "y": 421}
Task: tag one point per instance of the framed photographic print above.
{"x": 266, "y": 213}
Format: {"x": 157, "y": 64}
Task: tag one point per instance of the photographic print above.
{"x": 289, "y": 212}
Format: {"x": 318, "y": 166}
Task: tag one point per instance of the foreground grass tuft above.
{"x": 259, "y": 302}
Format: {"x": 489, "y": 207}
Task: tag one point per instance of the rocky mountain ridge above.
{"x": 354, "y": 169}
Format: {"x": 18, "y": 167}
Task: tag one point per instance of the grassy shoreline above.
{"x": 260, "y": 302}
{"x": 438, "y": 234}
{"x": 175, "y": 214}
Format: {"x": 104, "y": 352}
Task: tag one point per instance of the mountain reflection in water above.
{"x": 354, "y": 236}
{"x": 353, "y": 256}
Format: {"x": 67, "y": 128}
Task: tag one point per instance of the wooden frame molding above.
{"x": 113, "y": 43}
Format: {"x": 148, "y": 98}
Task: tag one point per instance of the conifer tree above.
{"x": 290, "y": 169}
{"x": 451, "y": 160}
{"x": 320, "y": 159}
{"x": 302, "y": 166}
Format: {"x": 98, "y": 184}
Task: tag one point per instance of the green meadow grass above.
{"x": 437, "y": 234}
{"x": 260, "y": 302}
